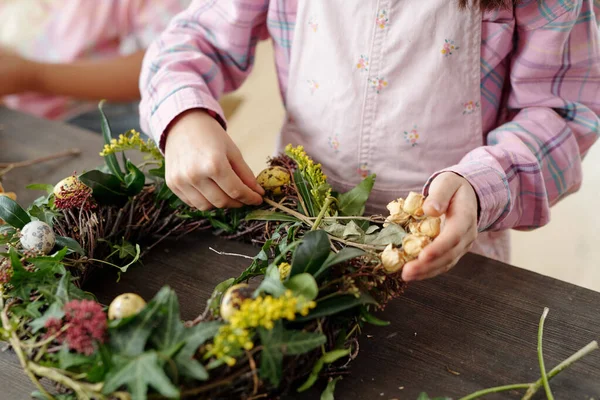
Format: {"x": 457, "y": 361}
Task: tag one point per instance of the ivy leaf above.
{"x": 170, "y": 329}
{"x": 129, "y": 337}
{"x": 327, "y": 358}
{"x": 71, "y": 244}
{"x": 267, "y": 215}
{"x": 304, "y": 190}
{"x": 336, "y": 305}
{"x": 278, "y": 342}
{"x": 352, "y": 203}
{"x": 24, "y": 282}
{"x": 346, "y": 254}
{"x": 67, "y": 359}
{"x": 41, "y": 396}
{"x": 194, "y": 338}
{"x": 12, "y": 213}
{"x": 138, "y": 374}
{"x": 303, "y": 285}
{"x": 330, "y": 389}
{"x": 259, "y": 264}
{"x": 106, "y": 188}
{"x": 134, "y": 180}
{"x": 111, "y": 159}
{"x": 54, "y": 311}
{"x": 311, "y": 254}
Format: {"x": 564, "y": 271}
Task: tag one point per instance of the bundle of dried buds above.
{"x": 409, "y": 214}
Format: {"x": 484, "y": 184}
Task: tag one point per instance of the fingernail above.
{"x": 436, "y": 206}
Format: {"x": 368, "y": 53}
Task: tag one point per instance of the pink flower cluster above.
{"x": 86, "y": 325}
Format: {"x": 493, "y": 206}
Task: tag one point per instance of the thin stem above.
{"x": 288, "y": 210}
{"x": 7, "y": 167}
{"x": 561, "y": 367}
{"x": 496, "y": 389}
{"x": 324, "y": 209}
{"x": 541, "y": 356}
{"x": 222, "y": 253}
{"x": 354, "y": 244}
{"x": 46, "y": 341}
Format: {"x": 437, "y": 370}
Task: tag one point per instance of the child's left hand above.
{"x": 452, "y": 195}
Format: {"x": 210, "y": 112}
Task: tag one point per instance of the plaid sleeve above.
{"x": 534, "y": 160}
{"x": 207, "y": 50}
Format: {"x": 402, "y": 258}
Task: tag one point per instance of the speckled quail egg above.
{"x": 232, "y": 299}
{"x": 38, "y": 236}
{"x": 125, "y": 305}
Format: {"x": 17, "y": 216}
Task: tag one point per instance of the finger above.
{"x": 195, "y": 198}
{"x": 215, "y": 195}
{"x": 231, "y": 183}
{"x": 420, "y": 267}
{"x": 441, "y": 191}
{"x": 244, "y": 172}
{"x": 430, "y": 273}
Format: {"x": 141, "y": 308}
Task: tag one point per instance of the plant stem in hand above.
{"x": 549, "y": 395}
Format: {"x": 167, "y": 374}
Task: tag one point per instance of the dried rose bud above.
{"x": 414, "y": 204}
{"x": 399, "y": 219}
{"x": 413, "y": 244}
{"x": 395, "y": 207}
{"x": 393, "y": 259}
{"x": 430, "y": 226}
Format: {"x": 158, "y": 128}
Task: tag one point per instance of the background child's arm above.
{"x": 114, "y": 79}
{"x": 534, "y": 160}
{"x": 206, "y": 51}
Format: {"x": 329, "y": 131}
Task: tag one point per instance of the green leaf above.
{"x": 41, "y": 186}
{"x": 164, "y": 193}
{"x": 106, "y": 188}
{"x": 278, "y": 342}
{"x": 424, "y": 396}
{"x": 134, "y": 180}
{"x": 327, "y": 358}
{"x": 111, "y": 159}
{"x": 158, "y": 172}
{"x": 12, "y": 213}
{"x": 330, "y": 389}
{"x": 303, "y": 285}
{"x": 304, "y": 190}
{"x": 352, "y": 203}
{"x": 215, "y": 298}
{"x": 271, "y": 283}
{"x": 129, "y": 337}
{"x": 44, "y": 214}
{"x": 336, "y": 305}
{"x": 67, "y": 359}
{"x": 267, "y": 215}
{"x": 311, "y": 254}
{"x": 40, "y": 396}
{"x": 346, "y": 254}
{"x": 70, "y": 244}
{"x": 390, "y": 234}
{"x": 138, "y": 374}
{"x": 371, "y": 319}
{"x": 194, "y": 337}
{"x": 170, "y": 329}
{"x": 54, "y": 311}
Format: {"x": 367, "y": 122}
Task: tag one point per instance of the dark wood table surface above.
{"x": 472, "y": 328}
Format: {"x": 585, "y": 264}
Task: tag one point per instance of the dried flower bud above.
{"x": 397, "y": 214}
{"x": 430, "y": 226}
{"x": 395, "y": 207}
{"x": 414, "y": 204}
{"x": 273, "y": 178}
{"x": 393, "y": 259}
{"x": 413, "y": 244}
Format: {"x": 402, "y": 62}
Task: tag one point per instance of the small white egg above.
{"x": 38, "y": 236}
{"x": 125, "y": 305}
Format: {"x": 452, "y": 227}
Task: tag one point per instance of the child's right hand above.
{"x": 204, "y": 168}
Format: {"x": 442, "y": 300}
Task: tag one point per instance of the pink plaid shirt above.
{"x": 540, "y": 91}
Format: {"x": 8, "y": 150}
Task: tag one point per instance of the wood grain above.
{"x": 480, "y": 320}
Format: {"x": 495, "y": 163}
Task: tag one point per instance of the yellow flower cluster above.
{"x": 311, "y": 171}
{"x": 254, "y": 313}
{"x": 284, "y": 270}
{"x": 131, "y": 140}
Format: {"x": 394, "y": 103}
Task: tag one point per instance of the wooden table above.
{"x": 472, "y": 328}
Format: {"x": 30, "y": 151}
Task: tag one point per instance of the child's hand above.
{"x": 452, "y": 195}
{"x": 17, "y": 74}
{"x": 204, "y": 168}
